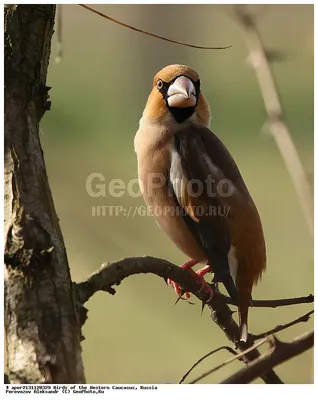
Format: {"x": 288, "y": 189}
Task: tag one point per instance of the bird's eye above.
{"x": 159, "y": 84}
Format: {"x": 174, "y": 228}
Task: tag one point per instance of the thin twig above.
{"x": 149, "y": 33}
{"x": 230, "y": 360}
{"x": 59, "y": 34}
{"x": 275, "y": 302}
{"x": 279, "y": 353}
{"x": 276, "y": 123}
{"x": 279, "y": 328}
{"x": 229, "y": 349}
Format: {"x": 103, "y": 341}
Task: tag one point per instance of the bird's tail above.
{"x": 243, "y": 312}
{"x": 244, "y": 301}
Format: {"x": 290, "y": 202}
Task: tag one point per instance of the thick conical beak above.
{"x": 181, "y": 93}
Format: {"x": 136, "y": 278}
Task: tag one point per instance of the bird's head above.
{"x": 176, "y": 97}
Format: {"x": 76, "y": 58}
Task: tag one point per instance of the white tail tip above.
{"x": 244, "y": 333}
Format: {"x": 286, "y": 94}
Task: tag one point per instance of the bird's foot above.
{"x": 198, "y": 277}
{"x": 204, "y": 286}
{"x": 188, "y": 265}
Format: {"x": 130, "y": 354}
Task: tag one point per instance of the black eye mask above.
{"x": 180, "y": 114}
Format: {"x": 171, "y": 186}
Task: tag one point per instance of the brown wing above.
{"x": 190, "y": 174}
{"x": 204, "y": 155}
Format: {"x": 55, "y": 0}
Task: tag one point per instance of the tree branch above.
{"x": 222, "y": 315}
{"x": 274, "y": 303}
{"x": 279, "y": 328}
{"x": 113, "y": 273}
{"x": 41, "y": 323}
{"x": 265, "y": 336}
{"x": 230, "y": 360}
{"x": 229, "y": 349}
{"x": 277, "y": 354}
{"x": 276, "y": 124}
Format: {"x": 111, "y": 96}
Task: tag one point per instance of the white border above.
{"x": 189, "y": 391}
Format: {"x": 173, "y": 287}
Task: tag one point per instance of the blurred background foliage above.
{"x": 99, "y": 92}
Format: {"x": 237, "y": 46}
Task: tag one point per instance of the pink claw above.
{"x": 198, "y": 277}
{"x": 204, "y": 270}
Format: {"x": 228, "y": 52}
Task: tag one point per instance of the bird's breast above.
{"x": 153, "y": 173}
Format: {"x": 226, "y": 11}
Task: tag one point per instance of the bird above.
{"x": 195, "y": 190}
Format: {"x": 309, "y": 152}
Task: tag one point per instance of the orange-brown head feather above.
{"x": 156, "y": 108}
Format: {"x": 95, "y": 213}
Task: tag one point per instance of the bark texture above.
{"x": 41, "y": 319}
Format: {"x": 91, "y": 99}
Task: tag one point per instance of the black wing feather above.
{"x": 211, "y": 231}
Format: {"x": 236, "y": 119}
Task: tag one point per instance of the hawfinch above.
{"x": 195, "y": 190}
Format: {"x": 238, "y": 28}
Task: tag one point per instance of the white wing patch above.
{"x": 177, "y": 177}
